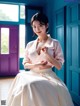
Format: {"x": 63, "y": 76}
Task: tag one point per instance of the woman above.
{"x": 40, "y": 86}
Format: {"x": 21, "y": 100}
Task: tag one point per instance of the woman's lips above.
{"x": 38, "y": 32}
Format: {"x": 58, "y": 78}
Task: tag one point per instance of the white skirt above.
{"x": 38, "y": 88}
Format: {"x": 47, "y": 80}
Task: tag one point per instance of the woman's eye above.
{"x": 34, "y": 26}
{"x": 41, "y": 25}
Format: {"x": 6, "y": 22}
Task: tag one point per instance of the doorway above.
{"x": 9, "y": 53}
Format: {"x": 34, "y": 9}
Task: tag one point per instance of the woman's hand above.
{"x": 44, "y": 65}
{"x": 50, "y": 59}
{"x": 44, "y": 49}
{"x": 41, "y": 65}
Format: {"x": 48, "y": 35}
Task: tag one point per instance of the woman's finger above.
{"x": 44, "y": 49}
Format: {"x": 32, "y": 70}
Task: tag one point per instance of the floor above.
{"x": 4, "y": 87}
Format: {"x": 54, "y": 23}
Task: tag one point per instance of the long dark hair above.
{"x": 42, "y": 18}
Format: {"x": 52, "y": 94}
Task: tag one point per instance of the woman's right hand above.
{"x": 43, "y": 65}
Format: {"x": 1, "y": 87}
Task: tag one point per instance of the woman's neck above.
{"x": 43, "y": 39}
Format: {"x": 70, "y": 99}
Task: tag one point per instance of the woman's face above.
{"x": 38, "y": 28}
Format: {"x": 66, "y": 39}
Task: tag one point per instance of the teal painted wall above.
{"x": 59, "y": 4}
{"x": 51, "y": 7}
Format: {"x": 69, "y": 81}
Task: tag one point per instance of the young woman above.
{"x": 40, "y": 86}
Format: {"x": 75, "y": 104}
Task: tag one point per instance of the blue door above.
{"x": 59, "y": 35}
{"x": 73, "y": 51}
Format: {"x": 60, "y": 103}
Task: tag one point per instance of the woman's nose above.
{"x": 37, "y": 29}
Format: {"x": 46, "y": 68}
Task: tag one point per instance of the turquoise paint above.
{"x": 9, "y": 23}
{"x": 13, "y": 1}
{"x": 73, "y": 55}
{"x": 59, "y": 4}
{"x": 51, "y": 7}
{"x": 72, "y": 76}
{"x": 21, "y": 65}
{"x": 59, "y": 35}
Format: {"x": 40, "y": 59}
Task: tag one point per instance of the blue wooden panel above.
{"x": 74, "y": 45}
{"x": 75, "y": 82}
{"x": 79, "y": 12}
{"x": 59, "y": 18}
{"x": 74, "y": 12}
{"x": 79, "y": 47}
{"x": 60, "y": 37}
{"x": 73, "y": 52}
{"x": 69, "y": 78}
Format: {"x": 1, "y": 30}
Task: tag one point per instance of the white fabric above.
{"x": 39, "y": 87}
